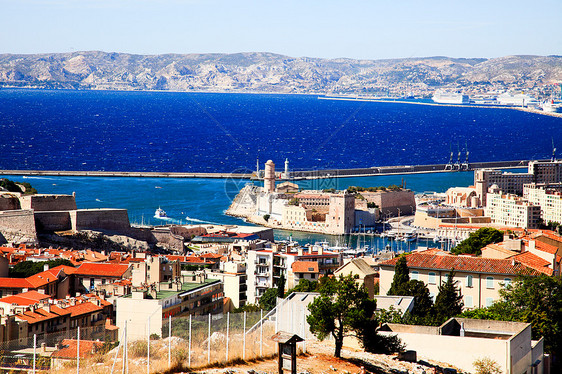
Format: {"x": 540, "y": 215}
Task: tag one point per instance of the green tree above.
{"x": 304, "y": 285}
{"x": 26, "y": 269}
{"x": 478, "y": 240}
{"x": 268, "y": 300}
{"x": 401, "y": 277}
{"x": 342, "y": 309}
{"x": 423, "y": 302}
{"x": 281, "y": 286}
{"x": 448, "y": 302}
{"x": 532, "y": 299}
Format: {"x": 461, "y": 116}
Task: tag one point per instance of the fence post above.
{"x": 261, "y": 332}
{"x": 227, "y": 331}
{"x": 148, "y": 347}
{"x": 78, "y": 351}
{"x": 34, "y": 350}
{"x": 244, "y": 339}
{"x": 303, "y": 330}
{"x": 189, "y": 357}
{"x": 170, "y": 341}
{"x": 209, "y": 341}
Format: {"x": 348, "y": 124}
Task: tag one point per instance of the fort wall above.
{"x": 9, "y": 202}
{"x": 48, "y": 202}
{"x": 113, "y": 220}
{"x": 53, "y": 221}
{"x": 18, "y": 222}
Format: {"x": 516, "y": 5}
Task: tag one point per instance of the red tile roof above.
{"x": 534, "y": 262}
{"x": 464, "y": 264}
{"x": 97, "y": 269}
{"x": 25, "y": 298}
{"x": 70, "y": 346}
{"x": 545, "y": 247}
{"x": 83, "y": 308}
{"x": 42, "y": 314}
{"x": 305, "y": 267}
{"x": 15, "y": 283}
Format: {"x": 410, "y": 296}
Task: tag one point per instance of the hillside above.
{"x": 267, "y": 72}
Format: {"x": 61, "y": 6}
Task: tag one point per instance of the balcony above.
{"x": 262, "y": 274}
{"x": 261, "y": 262}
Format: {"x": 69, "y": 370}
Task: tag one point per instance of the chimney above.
{"x": 45, "y": 267}
{"x": 320, "y": 249}
{"x": 299, "y": 252}
{"x": 43, "y": 347}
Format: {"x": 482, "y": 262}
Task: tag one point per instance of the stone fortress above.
{"x": 285, "y": 206}
{"x": 23, "y": 217}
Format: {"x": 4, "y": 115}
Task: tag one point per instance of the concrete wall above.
{"x": 9, "y": 202}
{"x": 458, "y": 351}
{"x": 136, "y": 312}
{"x": 116, "y": 220}
{"x": 48, "y": 202}
{"x": 53, "y": 221}
{"x": 20, "y": 222}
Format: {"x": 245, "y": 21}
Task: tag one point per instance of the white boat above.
{"x": 160, "y": 213}
{"x": 443, "y": 97}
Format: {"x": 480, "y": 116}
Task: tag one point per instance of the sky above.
{"x": 370, "y": 29}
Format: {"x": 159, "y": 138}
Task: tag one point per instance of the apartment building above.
{"x": 548, "y": 196}
{"x": 479, "y": 279}
{"x": 512, "y": 211}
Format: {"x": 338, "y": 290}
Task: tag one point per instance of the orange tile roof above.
{"x": 42, "y": 315}
{"x": 101, "y": 269}
{"x": 70, "y": 348}
{"x": 25, "y": 298}
{"x": 534, "y": 262}
{"x": 211, "y": 255}
{"x": 15, "y": 283}
{"x": 305, "y": 267}
{"x": 545, "y": 247}
{"x": 83, "y": 308}
{"x": 464, "y": 264}
{"x": 42, "y": 279}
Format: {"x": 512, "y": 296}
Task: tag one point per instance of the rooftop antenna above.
{"x": 553, "y": 151}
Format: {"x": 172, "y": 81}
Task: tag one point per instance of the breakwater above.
{"x": 295, "y": 174}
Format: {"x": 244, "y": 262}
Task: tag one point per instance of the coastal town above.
{"x": 100, "y": 281}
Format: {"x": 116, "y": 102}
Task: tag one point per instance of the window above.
{"x": 415, "y": 275}
{"x": 469, "y": 280}
{"x": 489, "y": 301}
{"x": 506, "y": 282}
{"x": 489, "y": 282}
{"x": 431, "y": 278}
{"x": 468, "y": 301}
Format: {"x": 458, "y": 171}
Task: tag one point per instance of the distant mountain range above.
{"x": 268, "y": 72}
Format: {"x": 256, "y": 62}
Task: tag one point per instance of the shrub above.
{"x": 486, "y": 365}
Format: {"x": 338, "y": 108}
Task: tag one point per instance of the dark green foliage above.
{"x": 304, "y": 285}
{"x": 372, "y": 205}
{"x": 342, "y": 309}
{"x": 189, "y": 267}
{"x": 423, "y": 302}
{"x": 329, "y": 190}
{"x": 401, "y": 277}
{"x": 382, "y": 344}
{"x": 247, "y": 308}
{"x": 13, "y": 187}
{"x": 281, "y": 286}
{"x": 266, "y": 217}
{"x": 269, "y": 299}
{"x": 448, "y": 302}
{"x": 535, "y": 300}
{"x": 26, "y": 269}
{"x": 9, "y": 185}
{"x": 478, "y": 240}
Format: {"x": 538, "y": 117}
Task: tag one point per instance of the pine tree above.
{"x": 449, "y": 300}
{"x": 401, "y": 278}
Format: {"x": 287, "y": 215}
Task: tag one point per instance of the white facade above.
{"x": 512, "y": 211}
{"x": 548, "y": 197}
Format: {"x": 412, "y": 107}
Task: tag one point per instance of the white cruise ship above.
{"x": 450, "y": 98}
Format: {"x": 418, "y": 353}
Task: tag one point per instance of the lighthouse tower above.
{"x": 269, "y": 178}
{"x": 286, "y": 173}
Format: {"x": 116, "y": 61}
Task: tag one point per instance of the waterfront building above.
{"x": 465, "y": 197}
{"x": 510, "y": 183}
{"x": 549, "y": 197}
{"x": 512, "y": 210}
{"x": 479, "y": 279}
{"x": 269, "y": 177}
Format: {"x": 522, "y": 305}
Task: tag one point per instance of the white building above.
{"x": 512, "y": 211}
{"x": 548, "y": 197}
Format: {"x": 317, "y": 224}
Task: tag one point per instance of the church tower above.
{"x": 269, "y": 178}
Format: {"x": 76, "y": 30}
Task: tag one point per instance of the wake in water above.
{"x": 197, "y": 220}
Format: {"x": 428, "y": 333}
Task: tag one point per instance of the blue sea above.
{"x": 161, "y": 131}
{"x": 214, "y": 132}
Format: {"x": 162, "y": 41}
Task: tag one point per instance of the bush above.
{"x": 139, "y": 349}
{"x": 486, "y": 365}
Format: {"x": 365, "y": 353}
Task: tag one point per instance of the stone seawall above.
{"x": 114, "y": 220}
{"x": 53, "y": 221}
{"x": 18, "y": 225}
